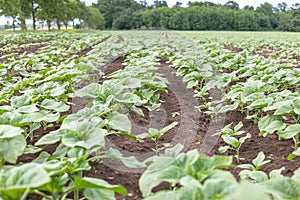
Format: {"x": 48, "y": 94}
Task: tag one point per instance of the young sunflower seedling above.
{"x": 252, "y": 171}
{"x": 257, "y": 163}
{"x": 228, "y": 136}
{"x": 155, "y": 135}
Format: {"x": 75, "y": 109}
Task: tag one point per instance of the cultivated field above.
{"x": 150, "y": 115}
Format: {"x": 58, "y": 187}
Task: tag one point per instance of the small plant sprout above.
{"x": 213, "y": 110}
{"x": 155, "y": 135}
{"x": 232, "y": 132}
{"x": 203, "y": 106}
{"x": 228, "y": 136}
{"x": 252, "y": 171}
{"x": 257, "y": 163}
{"x": 234, "y": 144}
{"x": 175, "y": 114}
{"x": 294, "y": 154}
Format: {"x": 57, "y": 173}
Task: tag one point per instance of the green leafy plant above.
{"x": 234, "y": 144}
{"x": 253, "y": 170}
{"x": 12, "y": 143}
{"x": 189, "y": 169}
{"x": 257, "y": 162}
{"x": 229, "y": 137}
{"x": 232, "y": 132}
{"x": 294, "y": 154}
{"x": 194, "y": 175}
{"x": 155, "y": 135}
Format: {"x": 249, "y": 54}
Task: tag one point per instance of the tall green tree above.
{"x": 180, "y": 21}
{"x": 232, "y": 5}
{"x": 159, "y": 3}
{"x": 54, "y": 11}
{"x": 73, "y": 9}
{"x": 266, "y": 16}
{"x": 295, "y": 21}
{"x": 111, "y": 9}
{"x": 46, "y": 12}
{"x": 284, "y": 22}
{"x": 282, "y": 7}
{"x": 93, "y": 18}
{"x": 19, "y": 10}
{"x": 10, "y": 9}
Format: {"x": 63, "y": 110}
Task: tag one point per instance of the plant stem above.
{"x": 96, "y": 158}
{"x": 242, "y": 109}
{"x": 76, "y": 192}
{"x": 238, "y": 154}
{"x": 2, "y": 161}
{"x": 42, "y": 194}
{"x": 296, "y": 141}
{"x": 156, "y": 146}
{"x": 24, "y": 195}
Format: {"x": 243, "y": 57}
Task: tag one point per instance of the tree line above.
{"x": 131, "y": 14}
{"x": 61, "y": 12}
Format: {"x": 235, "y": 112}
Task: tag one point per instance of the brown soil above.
{"x": 194, "y": 130}
{"x": 265, "y": 51}
{"x": 35, "y": 48}
{"x": 20, "y": 51}
{"x": 86, "y": 50}
{"x": 112, "y": 171}
{"x": 233, "y": 49}
{"x": 275, "y": 150}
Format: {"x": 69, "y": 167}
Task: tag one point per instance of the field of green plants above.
{"x": 149, "y": 115}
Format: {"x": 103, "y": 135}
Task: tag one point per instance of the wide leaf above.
{"x": 15, "y": 180}
{"x": 119, "y": 122}
{"x": 12, "y": 143}
{"x": 290, "y": 132}
{"x": 57, "y": 106}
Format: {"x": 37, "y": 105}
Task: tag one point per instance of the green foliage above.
{"x": 93, "y": 18}
{"x": 258, "y": 162}
{"x": 59, "y": 11}
{"x": 198, "y": 16}
{"x": 229, "y": 137}
{"x": 200, "y": 177}
{"x": 12, "y": 143}
{"x": 20, "y": 179}
{"x": 189, "y": 168}
{"x": 155, "y": 135}
{"x": 36, "y": 92}
{"x": 114, "y": 10}
{"x": 129, "y": 14}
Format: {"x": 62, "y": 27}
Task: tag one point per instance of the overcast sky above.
{"x": 241, "y": 3}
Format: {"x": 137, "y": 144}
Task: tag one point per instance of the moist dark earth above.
{"x": 275, "y": 150}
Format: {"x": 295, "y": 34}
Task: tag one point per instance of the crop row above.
{"x": 41, "y": 93}
{"x": 58, "y": 47}
{"x": 43, "y": 97}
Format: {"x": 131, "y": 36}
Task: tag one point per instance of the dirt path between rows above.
{"x": 35, "y": 48}
{"x": 266, "y": 53}
{"x": 275, "y": 150}
{"x": 194, "y": 132}
{"x": 178, "y": 100}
